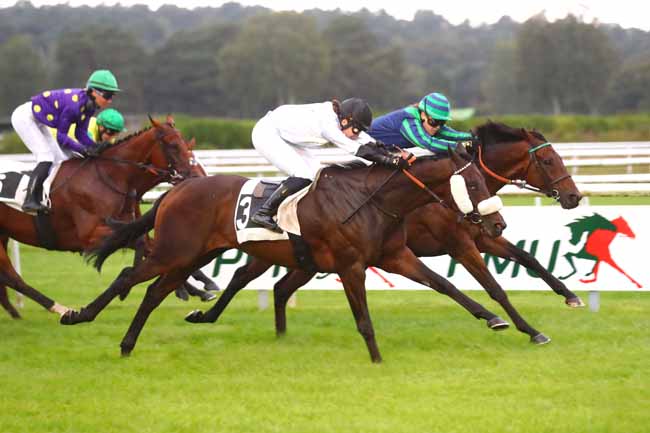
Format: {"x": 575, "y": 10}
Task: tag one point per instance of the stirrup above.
{"x": 267, "y": 222}
{"x": 34, "y": 207}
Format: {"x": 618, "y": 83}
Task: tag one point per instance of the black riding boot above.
{"x": 35, "y": 188}
{"x": 264, "y": 216}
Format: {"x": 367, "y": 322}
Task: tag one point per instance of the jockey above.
{"x": 106, "y": 127}
{"x": 101, "y": 129}
{"x": 285, "y": 135}
{"x": 421, "y": 125}
{"x": 59, "y": 109}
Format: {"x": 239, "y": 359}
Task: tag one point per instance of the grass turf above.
{"x": 443, "y": 371}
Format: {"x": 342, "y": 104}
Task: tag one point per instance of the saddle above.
{"x": 14, "y": 177}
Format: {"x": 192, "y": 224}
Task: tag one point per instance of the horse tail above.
{"x": 123, "y": 235}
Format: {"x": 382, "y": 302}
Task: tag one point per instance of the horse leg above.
{"x": 9, "y": 277}
{"x": 6, "y": 304}
{"x": 156, "y": 292}
{"x": 501, "y": 247}
{"x": 354, "y": 280}
{"x": 205, "y": 296}
{"x": 282, "y": 291}
{"x": 240, "y": 279}
{"x": 127, "y": 278}
{"x": 472, "y": 261}
{"x": 405, "y": 263}
{"x": 141, "y": 249}
{"x": 208, "y": 284}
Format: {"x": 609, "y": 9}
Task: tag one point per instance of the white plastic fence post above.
{"x": 538, "y": 201}
{"x": 263, "y": 299}
{"x": 15, "y": 259}
{"x": 594, "y": 300}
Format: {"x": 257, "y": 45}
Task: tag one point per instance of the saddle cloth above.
{"x": 251, "y": 197}
{"x": 14, "y": 177}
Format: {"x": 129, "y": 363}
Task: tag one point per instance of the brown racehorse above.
{"x": 88, "y": 192}
{"x": 374, "y": 236}
{"x": 435, "y": 230}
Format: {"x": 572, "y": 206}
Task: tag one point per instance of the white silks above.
{"x": 460, "y": 194}
{"x": 490, "y": 205}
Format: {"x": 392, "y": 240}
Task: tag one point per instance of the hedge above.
{"x": 220, "y": 133}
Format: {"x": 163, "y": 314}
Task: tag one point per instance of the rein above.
{"x": 410, "y": 158}
{"x": 170, "y": 173}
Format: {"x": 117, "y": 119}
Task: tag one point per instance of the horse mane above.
{"x": 491, "y": 133}
{"x": 130, "y": 136}
{"x": 588, "y": 224}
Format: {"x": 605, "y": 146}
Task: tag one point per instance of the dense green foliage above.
{"x": 222, "y": 133}
{"x": 237, "y": 61}
{"x": 443, "y": 370}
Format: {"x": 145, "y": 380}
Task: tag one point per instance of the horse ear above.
{"x": 170, "y": 120}
{"x": 153, "y": 121}
{"x": 192, "y": 143}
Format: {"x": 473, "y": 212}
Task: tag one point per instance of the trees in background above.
{"x": 22, "y": 76}
{"x": 275, "y": 59}
{"x": 239, "y": 61}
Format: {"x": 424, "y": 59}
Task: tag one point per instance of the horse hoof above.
{"x": 575, "y": 302}
{"x": 195, "y": 316}
{"x": 208, "y": 297}
{"x": 212, "y": 287}
{"x": 497, "y": 324}
{"x": 70, "y": 317}
{"x": 540, "y": 339}
{"x": 125, "y": 352}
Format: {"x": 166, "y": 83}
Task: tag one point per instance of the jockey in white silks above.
{"x": 285, "y": 135}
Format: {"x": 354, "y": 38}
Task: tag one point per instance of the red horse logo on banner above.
{"x": 600, "y": 234}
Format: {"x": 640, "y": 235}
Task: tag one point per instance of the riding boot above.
{"x": 35, "y": 188}
{"x": 264, "y": 215}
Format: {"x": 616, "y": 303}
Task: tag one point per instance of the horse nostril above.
{"x": 500, "y": 227}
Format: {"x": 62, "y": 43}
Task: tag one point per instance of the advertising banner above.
{"x": 588, "y": 248}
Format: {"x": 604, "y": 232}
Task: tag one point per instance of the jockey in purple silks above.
{"x": 59, "y": 109}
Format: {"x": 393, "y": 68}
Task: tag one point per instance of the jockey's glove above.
{"x": 382, "y": 156}
{"x": 97, "y": 149}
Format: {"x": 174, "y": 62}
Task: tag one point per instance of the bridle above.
{"x": 548, "y": 189}
{"x": 170, "y": 173}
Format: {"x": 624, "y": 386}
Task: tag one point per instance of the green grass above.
{"x": 443, "y": 371}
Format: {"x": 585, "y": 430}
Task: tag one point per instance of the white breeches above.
{"x": 36, "y": 136}
{"x": 292, "y": 160}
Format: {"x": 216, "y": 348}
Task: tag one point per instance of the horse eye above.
{"x": 547, "y": 162}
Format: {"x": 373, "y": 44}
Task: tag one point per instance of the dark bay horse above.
{"x": 373, "y": 237}
{"x": 435, "y": 230}
{"x": 88, "y": 192}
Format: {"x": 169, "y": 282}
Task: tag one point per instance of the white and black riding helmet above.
{"x": 357, "y": 112}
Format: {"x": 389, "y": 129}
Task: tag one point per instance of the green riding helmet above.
{"x": 111, "y": 119}
{"x": 103, "y": 79}
{"x": 436, "y": 106}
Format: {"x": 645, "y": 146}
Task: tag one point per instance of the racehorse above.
{"x": 374, "y": 236}
{"x": 87, "y": 193}
{"x": 435, "y": 230}
{"x": 600, "y": 234}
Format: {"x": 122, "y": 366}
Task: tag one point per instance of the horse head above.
{"x": 471, "y": 196}
{"x": 527, "y": 159}
{"x": 623, "y": 227}
{"x": 173, "y": 153}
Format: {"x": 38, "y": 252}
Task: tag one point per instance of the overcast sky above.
{"x": 627, "y": 13}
